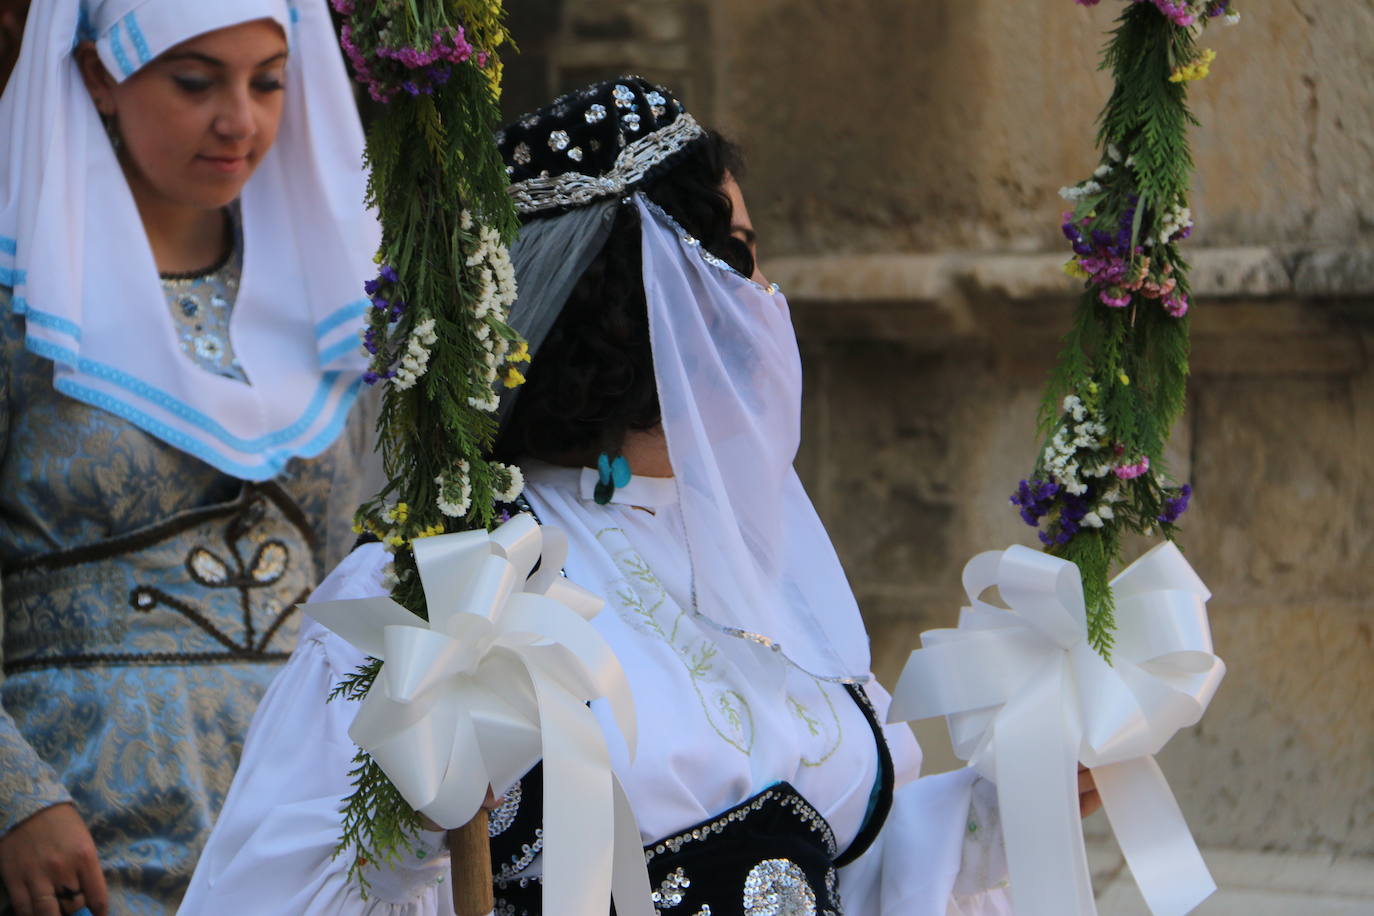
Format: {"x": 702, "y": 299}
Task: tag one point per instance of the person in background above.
{"x": 183, "y": 244}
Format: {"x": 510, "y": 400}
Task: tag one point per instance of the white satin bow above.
{"x": 1027, "y": 697}
{"x": 497, "y": 679}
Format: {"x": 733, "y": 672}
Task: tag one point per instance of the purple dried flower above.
{"x": 1034, "y": 497}
{"x": 1176, "y": 506}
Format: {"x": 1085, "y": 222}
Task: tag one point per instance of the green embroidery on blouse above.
{"x": 644, "y": 603}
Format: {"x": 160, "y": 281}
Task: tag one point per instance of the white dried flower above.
{"x": 455, "y": 495}
{"x": 488, "y": 402}
{"x": 515, "y": 481}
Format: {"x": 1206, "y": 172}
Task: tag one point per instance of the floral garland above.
{"x": 436, "y": 334}
{"x": 1121, "y": 380}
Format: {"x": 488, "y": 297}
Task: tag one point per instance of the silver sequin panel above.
{"x": 778, "y": 887}
{"x": 201, "y": 308}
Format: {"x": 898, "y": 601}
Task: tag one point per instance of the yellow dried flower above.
{"x": 1074, "y": 269}
{"x": 1195, "y": 69}
{"x": 513, "y": 378}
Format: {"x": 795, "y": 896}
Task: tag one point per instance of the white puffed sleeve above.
{"x": 272, "y": 849}
{"x": 940, "y": 851}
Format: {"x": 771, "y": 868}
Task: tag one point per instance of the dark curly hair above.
{"x": 593, "y": 377}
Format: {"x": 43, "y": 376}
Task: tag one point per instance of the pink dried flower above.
{"x": 1129, "y": 471}
{"x": 1114, "y": 296}
{"x": 1156, "y": 289}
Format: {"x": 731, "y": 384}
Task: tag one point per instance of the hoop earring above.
{"x": 112, "y": 131}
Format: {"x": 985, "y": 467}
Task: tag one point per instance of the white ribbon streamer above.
{"x": 497, "y": 679}
{"x": 1026, "y": 697}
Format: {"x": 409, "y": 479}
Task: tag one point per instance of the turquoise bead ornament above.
{"x": 615, "y": 472}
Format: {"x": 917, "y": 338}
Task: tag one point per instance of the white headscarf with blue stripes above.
{"x": 73, "y": 249}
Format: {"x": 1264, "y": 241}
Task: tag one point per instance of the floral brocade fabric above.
{"x": 147, "y": 602}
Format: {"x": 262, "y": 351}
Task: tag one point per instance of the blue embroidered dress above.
{"x": 148, "y": 599}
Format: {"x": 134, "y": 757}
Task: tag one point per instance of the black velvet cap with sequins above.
{"x": 619, "y": 131}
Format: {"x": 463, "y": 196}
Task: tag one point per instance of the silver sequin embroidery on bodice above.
{"x": 201, "y": 305}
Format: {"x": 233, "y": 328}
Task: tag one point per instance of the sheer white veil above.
{"x": 729, "y": 388}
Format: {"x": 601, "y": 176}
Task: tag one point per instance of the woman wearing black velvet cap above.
{"x": 657, "y": 427}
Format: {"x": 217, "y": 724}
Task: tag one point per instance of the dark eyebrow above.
{"x": 215, "y": 61}
{"x": 750, "y": 237}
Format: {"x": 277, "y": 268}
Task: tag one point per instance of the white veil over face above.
{"x": 73, "y": 249}
{"x": 729, "y": 389}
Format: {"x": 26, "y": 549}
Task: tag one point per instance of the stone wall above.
{"x": 904, "y": 163}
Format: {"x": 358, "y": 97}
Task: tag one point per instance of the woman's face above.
{"x": 741, "y": 227}
{"x": 195, "y": 123}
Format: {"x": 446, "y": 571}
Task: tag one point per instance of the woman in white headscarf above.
{"x": 657, "y": 428}
{"x": 183, "y": 245}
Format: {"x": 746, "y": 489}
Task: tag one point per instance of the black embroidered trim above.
{"x": 882, "y": 806}
{"x": 147, "y": 537}
{"x": 121, "y": 659}
{"x": 286, "y": 612}
{"x": 243, "y": 513}
{"x": 145, "y": 598}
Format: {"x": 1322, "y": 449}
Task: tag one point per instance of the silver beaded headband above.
{"x": 574, "y": 189}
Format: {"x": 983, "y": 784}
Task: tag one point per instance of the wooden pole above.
{"x": 469, "y": 850}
